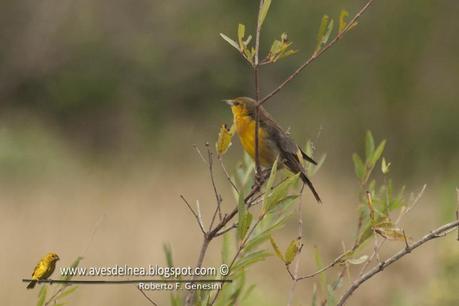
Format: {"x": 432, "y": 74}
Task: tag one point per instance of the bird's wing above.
{"x": 35, "y": 270}
{"x": 283, "y": 141}
{"x": 49, "y": 270}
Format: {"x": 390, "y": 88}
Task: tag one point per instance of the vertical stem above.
{"x": 256, "y": 68}
{"x": 205, "y": 244}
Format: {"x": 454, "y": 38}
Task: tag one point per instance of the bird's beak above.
{"x": 229, "y": 102}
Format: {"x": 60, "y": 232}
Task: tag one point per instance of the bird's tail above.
{"x": 31, "y": 285}
{"x": 306, "y": 180}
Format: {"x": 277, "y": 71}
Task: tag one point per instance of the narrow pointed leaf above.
{"x": 240, "y": 35}
{"x": 369, "y": 145}
{"x": 230, "y": 41}
{"x": 264, "y": 11}
{"x": 276, "y": 249}
{"x": 378, "y": 152}
{"x": 322, "y": 31}
{"x": 291, "y": 251}
{"x": 342, "y": 20}
{"x": 359, "y": 167}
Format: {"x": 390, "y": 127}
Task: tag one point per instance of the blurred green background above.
{"x": 118, "y": 88}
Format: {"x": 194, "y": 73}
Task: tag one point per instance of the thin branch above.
{"x": 298, "y": 259}
{"x": 457, "y": 212}
{"x": 222, "y": 232}
{"x": 199, "y": 153}
{"x": 256, "y": 68}
{"x": 439, "y": 232}
{"x": 147, "y": 297}
{"x": 198, "y": 219}
{"x": 217, "y": 195}
{"x": 228, "y": 177}
{"x": 238, "y": 252}
{"x": 205, "y": 244}
{"x": 318, "y": 53}
{"x": 337, "y": 260}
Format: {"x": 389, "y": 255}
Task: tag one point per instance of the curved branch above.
{"x": 437, "y": 233}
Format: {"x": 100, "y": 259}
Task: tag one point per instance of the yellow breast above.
{"x": 245, "y": 128}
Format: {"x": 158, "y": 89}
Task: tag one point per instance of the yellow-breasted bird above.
{"x": 272, "y": 140}
{"x": 44, "y": 268}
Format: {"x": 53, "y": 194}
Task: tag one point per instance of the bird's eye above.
{"x": 236, "y": 103}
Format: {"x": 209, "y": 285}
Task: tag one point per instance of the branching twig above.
{"x": 318, "y": 53}
{"x": 198, "y": 219}
{"x": 439, "y": 232}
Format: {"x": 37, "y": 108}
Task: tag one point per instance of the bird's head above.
{"x": 242, "y": 106}
{"x": 52, "y": 257}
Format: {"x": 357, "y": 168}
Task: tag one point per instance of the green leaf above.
{"x": 369, "y": 145}
{"x": 320, "y": 265}
{"x": 42, "y": 295}
{"x": 272, "y": 176}
{"x": 313, "y": 168}
{"x": 249, "y": 259}
{"x": 265, "y": 233}
{"x": 279, "y": 193}
{"x": 67, "y": 292}
{"x": 74, "y": 264}
{"x": 314, "y": 295}
{"x": 230, "y": 41}
{"x": 358, "y": 261}
{"x": 240, "y": 36}
{"x": 331, "y": 300}
{"x": 276, "y": 248}
{"x": 322, "y": 31}
{"x": 292, "y": 251}
{"x": 248, "y": 292}
{"x": 328, "y": 33}
{"x": 378, "y": 152}
{"x": 168, "y": 254}
{"x": 263, "y": 12}
{"x": 391, "y": 233}
{"x": 385, "y": 166}
{"x": 226, "y": 248}
{"x": 242, "y": 226}
{"x": 359, "y": 167}
{"x": 342, "y": 20}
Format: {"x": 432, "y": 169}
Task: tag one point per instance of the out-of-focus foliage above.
{"x": 114, "y": 74}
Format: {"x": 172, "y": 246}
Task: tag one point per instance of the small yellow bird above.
{"x": 272, "y": 140}
{"x": 43, "y": 269}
